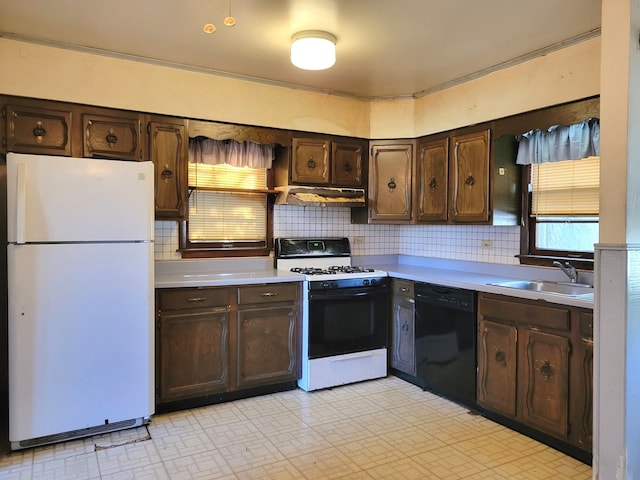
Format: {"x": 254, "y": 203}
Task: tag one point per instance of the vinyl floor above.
{"x": 382, "y": 429}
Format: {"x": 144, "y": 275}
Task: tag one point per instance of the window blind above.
{"x": 227, "y": 216}
{"x": 570, "y": 187}
{"x": 227, "y": 177}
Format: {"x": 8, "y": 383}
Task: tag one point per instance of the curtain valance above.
{"x": 560, "y": 142}
{"x": 230, "y": 152}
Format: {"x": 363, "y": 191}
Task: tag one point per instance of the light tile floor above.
{"x": 382, "y": 429}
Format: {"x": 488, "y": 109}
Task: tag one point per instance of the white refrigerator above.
{"x": 80, "y": 296}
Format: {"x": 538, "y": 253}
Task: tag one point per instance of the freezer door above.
{"x": 65, "y": 199}
{"x": 80, "y": 336}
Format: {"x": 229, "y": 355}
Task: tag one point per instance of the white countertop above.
{"x": 480, "y": 282}
{"x": 222, "y": 272}
{"x": 468, "y": 275}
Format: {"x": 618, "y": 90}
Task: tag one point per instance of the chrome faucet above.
{"x": 569, "y": 270}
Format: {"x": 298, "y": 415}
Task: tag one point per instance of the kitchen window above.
{"x": 230, "y": 200}
{"x": 560, "y": 212}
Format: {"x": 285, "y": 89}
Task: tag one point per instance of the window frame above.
{"x": 238, "y": 249}
{"x": 529, "y": 254}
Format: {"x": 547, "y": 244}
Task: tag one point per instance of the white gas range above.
{"x": 345, "y": 312}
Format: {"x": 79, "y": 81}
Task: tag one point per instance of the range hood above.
{"x": 319, "y": 196}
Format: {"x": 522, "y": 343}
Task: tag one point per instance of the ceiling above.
{"x": 385, "y": 48}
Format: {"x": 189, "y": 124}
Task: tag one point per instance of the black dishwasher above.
{"x": 445, "y": 342}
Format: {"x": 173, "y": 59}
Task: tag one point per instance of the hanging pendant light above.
{"x": 313, "y": 50}
{"x": 230, "y": 21}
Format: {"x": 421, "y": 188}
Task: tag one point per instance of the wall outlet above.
{"x": 358, "y": 240}
{"x": 486, "y": 243}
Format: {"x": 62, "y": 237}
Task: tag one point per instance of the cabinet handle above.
{"x": 268, "y": 294}
{"x": 470, "y": 180}
{"x": 500, "y": 358}
{"x": 392, "y": 184}
{"x": 39, "y": 130}
{"x": 311, "y": 163}
{"x": 405, "y": 327}
{"x": 196, "y": 299}
{"x": 112, "y": 139}
{"x": 347, "y": 167}
{"x": 403, "y": 289}
{"x": 546, "y": 370}
{"x": 433, "y": 183}
{"x": 166, "y": 173}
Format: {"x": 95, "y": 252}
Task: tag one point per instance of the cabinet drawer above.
{"x": 38, "y": 130}
{"x": 179, "y": 298}
{"x": 111, "y": 137}
{"x": 268, "y": 293}
{"x": 526, "y": 314}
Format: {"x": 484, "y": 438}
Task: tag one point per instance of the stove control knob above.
{"x": 366, "y": 282}
{"x": 373, "y": 281}
{"x": 326, "y": 285}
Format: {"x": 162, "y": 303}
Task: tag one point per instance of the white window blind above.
{"x": 231, "y": 214}
{"x": 570, "y": 187}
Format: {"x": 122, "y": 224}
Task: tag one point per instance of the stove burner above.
{"x": 312, "y": 271}
{"x": 350, "y": 269}
{"x": 332, "y": 270}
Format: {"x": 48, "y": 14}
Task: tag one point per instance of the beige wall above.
{"x": 568, "y": 74}
{"x": 46, "y": 72}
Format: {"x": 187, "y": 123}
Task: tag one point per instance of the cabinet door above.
{"x": 38, "y": 130}
{"x": 193, "y": 354}
{"x": 403, "y": 355}
{"x": 310, "y": 161}
{"x": 432, "y": 179}
{"x": 267, "y": 349}
{"x": 497, "y": 362}
{"x": 112, "y": 137}
{"x": 544, "y": 381}
{"x": 169, "y": 153}
{"x": 346, "y": 163}
{"x": 390, "y": 183}
{"x": 581, "y": 395}
{"x": 470, "y": 178}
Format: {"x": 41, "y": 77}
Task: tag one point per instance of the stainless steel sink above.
{"x": 546, "y": 286}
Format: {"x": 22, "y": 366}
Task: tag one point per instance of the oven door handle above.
{"x": 345, "y": 294}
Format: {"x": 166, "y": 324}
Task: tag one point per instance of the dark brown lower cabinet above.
{"x": 535, "y": 366}
{"x": 216, "y": 340}
{"x": 403, "y": 339}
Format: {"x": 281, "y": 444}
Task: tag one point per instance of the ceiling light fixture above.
{"x": 313, "y": 50}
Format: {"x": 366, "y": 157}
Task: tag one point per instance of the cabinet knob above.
{"x": 39, "y": 130}
{"x": 311, "y": 163}
{"x": 347, "y": 167}
{"x": 112, "y": 139}
{"x": 546, "y": 370}
{"x": 405, "y": 327}
{"x": 166, "y": 173}
{"x": 268, "y": 294}
{"x": 433, "y": 183}
{"x": 392, "y": 184}
{"x": 500, "y": 358}
{"x": 470, "y": 180}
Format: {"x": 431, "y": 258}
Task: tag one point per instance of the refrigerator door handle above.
{"x": 21, "y": 202}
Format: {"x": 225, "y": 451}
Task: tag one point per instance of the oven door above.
{"x": 347, "y": 320}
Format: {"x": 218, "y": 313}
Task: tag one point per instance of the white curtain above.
{"x": 560, "y": 142}
{"x": 230, "y": 152}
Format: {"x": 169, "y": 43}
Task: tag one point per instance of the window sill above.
{"x": 225, "y": 252}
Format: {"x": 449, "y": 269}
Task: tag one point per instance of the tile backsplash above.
{"x": 458, "y": 242}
